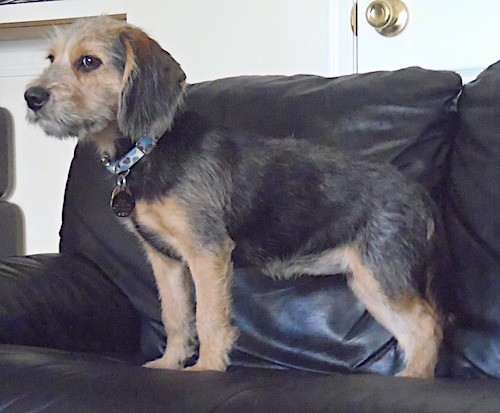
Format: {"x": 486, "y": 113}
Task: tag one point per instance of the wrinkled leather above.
{"x": 473, "y": 222}
{"x": 64, "y": 302}
{"x": 405, "y": 117}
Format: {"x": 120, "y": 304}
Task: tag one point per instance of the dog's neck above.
{"x": 106, "y": 139}
{"x": 166, "y": 163}
{"x": 122, "y": 199}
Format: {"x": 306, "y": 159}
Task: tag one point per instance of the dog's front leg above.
{"x": 174, "y": 288}
{"x": 211, "y": 274}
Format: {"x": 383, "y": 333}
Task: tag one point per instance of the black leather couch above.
{"x": 77, "y": 325}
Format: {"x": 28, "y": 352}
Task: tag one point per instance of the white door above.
{"x": 458, "y": 35}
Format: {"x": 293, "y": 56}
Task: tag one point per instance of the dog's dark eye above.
{"x": 51, "y": 58}
{"x": 87, "y": 63}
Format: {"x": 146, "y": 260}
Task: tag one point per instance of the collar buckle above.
{"x": 143, "y": 147}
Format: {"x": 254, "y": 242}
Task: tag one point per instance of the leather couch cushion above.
{"x": 406, "y": 117}
{"x": 473, "y": 221}
{"x": 64, "y": 302}
{"x": 49, "y": 381}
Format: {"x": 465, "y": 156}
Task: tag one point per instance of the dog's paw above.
{"x": 210, "y": 364}
{"x": 416, "y": 374}
{"x": 204, "y": 367}
{"x": 174, "y": 357}
{"x": 165, "y": 363}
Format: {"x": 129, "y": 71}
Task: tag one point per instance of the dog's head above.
{"x": 105, "y": 73}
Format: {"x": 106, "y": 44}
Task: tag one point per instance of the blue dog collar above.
{"x": 143, "y": 147}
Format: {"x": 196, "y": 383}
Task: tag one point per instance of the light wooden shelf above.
{"x": 57, "y": 12}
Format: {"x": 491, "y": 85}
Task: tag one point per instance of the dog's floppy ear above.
{"x": 153, "y": 85}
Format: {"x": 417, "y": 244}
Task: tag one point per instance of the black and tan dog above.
{"x": 288, "y": 206}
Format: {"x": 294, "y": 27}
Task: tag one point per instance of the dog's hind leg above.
{"x": 409, "y": 318}
{"x": 174, "y": 287}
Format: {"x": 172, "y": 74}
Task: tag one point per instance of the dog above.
{"x": 192, "y": 194}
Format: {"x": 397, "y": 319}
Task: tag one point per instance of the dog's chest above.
{"x": 163, "y": 225}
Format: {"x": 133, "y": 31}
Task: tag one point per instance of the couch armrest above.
{"x": 11, "y": 230}
{"x": 64, "y": 302}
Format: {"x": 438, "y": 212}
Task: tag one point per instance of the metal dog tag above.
{"x": 122, "y": 201}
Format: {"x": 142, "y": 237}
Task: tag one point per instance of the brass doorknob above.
{"x": 388, "y": 17}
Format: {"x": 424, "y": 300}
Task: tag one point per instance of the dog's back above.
{"x": 283, "y": 199}
{"x": 294, "y": 208}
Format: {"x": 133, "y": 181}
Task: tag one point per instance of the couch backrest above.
{"x": 406, "y": 117}
{"x": 473, "y": 222}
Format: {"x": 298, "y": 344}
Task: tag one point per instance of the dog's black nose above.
{"x": 36, "y": 97}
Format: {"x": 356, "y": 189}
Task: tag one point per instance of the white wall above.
{"x": 41, "y": 170}
{"x": 41, "y": 163}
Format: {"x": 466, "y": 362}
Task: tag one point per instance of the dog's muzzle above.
{"x": 36, "y": 97}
